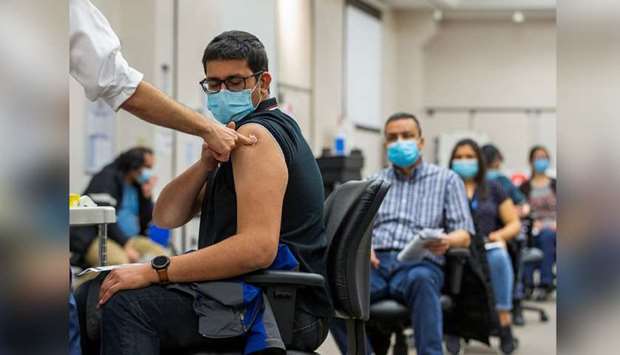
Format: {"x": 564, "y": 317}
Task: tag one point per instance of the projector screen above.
{"x": 363, "y": 70}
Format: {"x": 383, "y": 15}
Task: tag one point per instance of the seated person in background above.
{"x": 127, "y": 185}
{"x": 496, "y": 219}
{"x": 540, "y": 191}
{"x": 421, "y": 196}
{"x": 493, "y": 159}
{"x": 251, "y": 219}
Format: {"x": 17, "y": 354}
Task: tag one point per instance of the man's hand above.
{"x": 128, "y": 278}
{"x": 439, "y": 247}
{"x": 374, "y": 261}
{"x": 207, "y": 158}
{"x": 132, "y": 254}
{"x": 224, "y": 139}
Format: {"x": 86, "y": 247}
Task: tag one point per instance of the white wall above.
{"x": 492, "y": 63}
{"x": 295, "y": 62}
{"x": 134, "y": 22}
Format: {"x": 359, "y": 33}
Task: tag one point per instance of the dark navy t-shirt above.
{"x": 485, "y": 208}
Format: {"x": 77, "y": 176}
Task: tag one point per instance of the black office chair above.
{"x": 531, "y": 256}
{"x": 526, "y": 254}
{"x": 349, "y": 212}
{"x": 395, "y": 317}
{"x": 348, "y": 215}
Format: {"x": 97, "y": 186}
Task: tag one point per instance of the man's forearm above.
{"x": 153, "y": 106}
{"x": 459, "y": 238}
{"x": 177, "y": 201}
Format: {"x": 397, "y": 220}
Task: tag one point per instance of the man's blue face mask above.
{"x": 403, "y": 153}
{"x": 229, "y": 106}
{"x": 465, "y": 168}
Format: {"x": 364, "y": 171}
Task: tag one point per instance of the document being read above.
{"x": 415, "y": 251}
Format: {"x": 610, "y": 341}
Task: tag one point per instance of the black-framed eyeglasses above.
{"x": 233, "y": 83}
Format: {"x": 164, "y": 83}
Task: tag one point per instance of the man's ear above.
{"x": 421, "y": 144}
{"x": 265, "y": 81}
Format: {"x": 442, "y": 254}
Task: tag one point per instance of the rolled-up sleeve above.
{"x": 96, "y": 61}
{"x": 457, "y": 213}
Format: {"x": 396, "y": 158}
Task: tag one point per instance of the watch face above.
{"x": 160, "y": 262}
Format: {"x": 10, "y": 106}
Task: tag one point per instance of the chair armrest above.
{"x": 456, "y": 259}
{"x": 458, "y": 253}
{"x": 290, "y": 278}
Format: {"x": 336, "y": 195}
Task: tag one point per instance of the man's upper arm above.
{"x": 261, "y": 177}
{"x": 458, "y": 214}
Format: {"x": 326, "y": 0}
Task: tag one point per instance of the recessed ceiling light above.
{"x": 518, "y": 17}
{"x": 437, "y": 15}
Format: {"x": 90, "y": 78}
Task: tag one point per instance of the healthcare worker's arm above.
{"x": 261, "y": 178}
{"x": 97, "y": 64}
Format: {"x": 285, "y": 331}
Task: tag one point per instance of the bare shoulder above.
{"x": 266, "y": 144}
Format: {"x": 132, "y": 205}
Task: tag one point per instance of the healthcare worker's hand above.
{"x": 138, "y": 276}
{"x": 224, "y": 139}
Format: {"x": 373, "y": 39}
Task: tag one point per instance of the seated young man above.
{"x": 262, "y": 209}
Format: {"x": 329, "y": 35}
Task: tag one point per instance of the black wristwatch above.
{"x": 160, "y": 264}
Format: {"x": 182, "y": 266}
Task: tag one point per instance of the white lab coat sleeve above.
{"x": 96, "y": 61}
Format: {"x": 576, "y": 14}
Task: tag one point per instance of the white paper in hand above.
{"x": 415, "y": 251}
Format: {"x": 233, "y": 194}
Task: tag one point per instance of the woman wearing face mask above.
{"x": 540, "y": 191}
{"x": 497, "y": 221}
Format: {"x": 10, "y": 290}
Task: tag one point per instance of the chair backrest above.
{"x": 349, "y": 213}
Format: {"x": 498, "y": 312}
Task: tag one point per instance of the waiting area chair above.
{"x": 349, "y": 212}
{"x": 396, "y": 317}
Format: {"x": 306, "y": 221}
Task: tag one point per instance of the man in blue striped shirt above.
{"x": 421, "y": 196}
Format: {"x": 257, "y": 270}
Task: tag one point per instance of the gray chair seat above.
{"x": 391, "y": 310}
{"x": 531, "y": 255}
{"x": 388, "y": 310}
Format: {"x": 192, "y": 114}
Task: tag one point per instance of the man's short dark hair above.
{"x": 232, "y": 45}
{"x": 404, "y": 116}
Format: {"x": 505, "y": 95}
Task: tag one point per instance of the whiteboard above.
{"x": 363, "y": 68}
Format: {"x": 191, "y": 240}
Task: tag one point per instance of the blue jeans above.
{"x": 546, "y": 242}
{"x": 418, "y": 286}
{"x": 502, "y": 277}
{"x": 156, "y": 320}
{"x": 74, "y": 327}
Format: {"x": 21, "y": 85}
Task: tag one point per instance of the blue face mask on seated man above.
{"x": 541, "y": 165}
{"x": 465, "y": 168}
{"x": 403, "y": 153}
{"x": 229, "y": 106}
